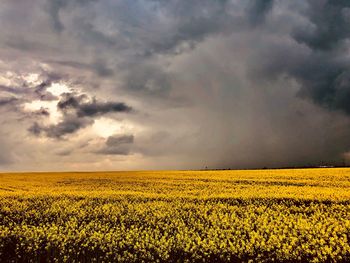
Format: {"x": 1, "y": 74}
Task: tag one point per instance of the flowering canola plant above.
{"x": 296, "y": 215}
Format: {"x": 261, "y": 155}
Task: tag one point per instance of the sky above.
{"x": 173, "y": 84}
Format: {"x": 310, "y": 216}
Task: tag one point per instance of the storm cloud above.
{"x": 329, "y": 24}
{"x": 86, "y": 108}
{"x": 174, "y": 84}
{"x": 117, "y": 145}
{"x": 318, "y": 59}
{"x": 69, "y": 125}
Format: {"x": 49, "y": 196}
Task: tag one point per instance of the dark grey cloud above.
{"x": 117, "y": 140}
{"x": 196, "y": 20}
{"x": 187, "y": 24}
{"x": 70, "y": 101}
{"x": 321, "y": 68}
{"x": 86, "y": 107}
{"x": 96, "y": 108}
{"x": 149, "y": 80}
{"x": 192, "y": 22}
{"x": 258, "y": 10}
{"x": 54, "y": 8}
{"x": 149, "y": 28}
{"x": 214, "y": 83}
{"x": 69, "y": 125}
{"x": 117, "y": 145}
{"x": 329, "y": 24}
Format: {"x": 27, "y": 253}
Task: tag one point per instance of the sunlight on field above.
{"x": 175, "y": 216}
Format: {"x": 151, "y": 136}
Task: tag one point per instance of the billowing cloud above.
{"x": 318, "y": 58}
{"x": 69, "y": 125}
{"x": 231, "y": 84}
{"x": 85, "y": 107}
{"x": 78, "y": 112}
{"x": 329, "y": 24}
{"x": 29, "y": 91}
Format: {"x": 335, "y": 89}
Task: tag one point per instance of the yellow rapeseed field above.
{"x": 296, "y": 215}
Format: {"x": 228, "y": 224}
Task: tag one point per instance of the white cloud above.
{"x": 58, "y": 88}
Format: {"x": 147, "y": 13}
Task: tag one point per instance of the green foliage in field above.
{"x": 226, "y": 216}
